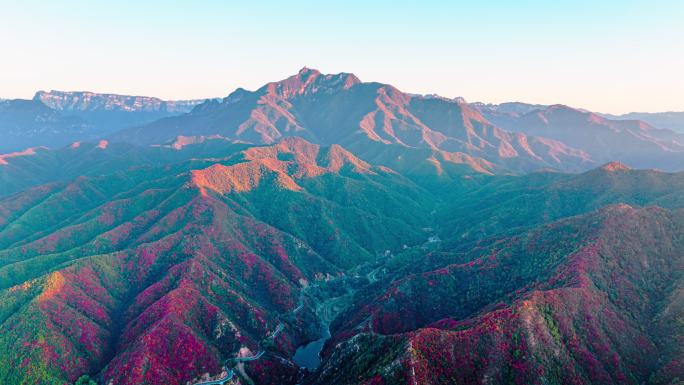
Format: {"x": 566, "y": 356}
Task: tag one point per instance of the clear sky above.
{"x": 604, "y": 55}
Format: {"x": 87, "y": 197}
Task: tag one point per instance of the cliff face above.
{"x": 56, "y": 118}
{"x": 90, "y": 101}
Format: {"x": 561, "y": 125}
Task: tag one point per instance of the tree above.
{"x": 85, "y": 380}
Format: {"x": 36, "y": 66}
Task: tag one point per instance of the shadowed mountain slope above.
{"x": 585, "y": 300}
{"x": 55, "y": 119}
{"x": 634, "y": 142}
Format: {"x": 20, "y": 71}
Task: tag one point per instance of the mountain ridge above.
{"x": 328, "y": 109}
{"x": 211, "y": 243}
{"x": 383, "y": 237}
{"x": 58, "y": 118}
{"x": 89, "y": 101}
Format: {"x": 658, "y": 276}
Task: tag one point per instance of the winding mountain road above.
{"x": 281, "y": 326}
{"x": 221, "y": 381}
{"x": 231, "y": 373}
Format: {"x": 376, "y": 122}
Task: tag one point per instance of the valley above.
{"x": 325, "y": 230}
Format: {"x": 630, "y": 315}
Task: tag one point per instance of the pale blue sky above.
{"x": 610, "y": 56}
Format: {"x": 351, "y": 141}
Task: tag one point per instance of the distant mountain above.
{"x": 90, "y": 101}
{"x": 630, "y": 141}
{"x": 30, "y": 123}
{"x": 328, "y": 109}
{"x": 511, "y": 108}
{"x": 669, "y": 120}
{"x": 505, "y": 114}
{"x": 57, "y": 118}
{"x": 109, "y": 112}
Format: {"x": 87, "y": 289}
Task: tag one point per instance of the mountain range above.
{"x": 58, "y": 118}
{"x": 669, "y": 120}
{"x": 367, "y": 118}
{"x": 323, "y": 230}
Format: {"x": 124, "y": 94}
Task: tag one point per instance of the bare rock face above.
{"x": 90, "y": 101}
{"x": 58, "y": 118}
